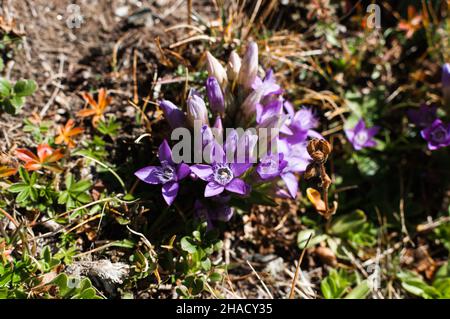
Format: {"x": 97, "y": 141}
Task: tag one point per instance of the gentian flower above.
{"x": 361, "y": 136}
{"x": 221, "y": 175}
{"x": 424, "y": 116}
{"x": 271, "y": 166}
{"x": 297, "y": 158}
{"x": 196, "y": 109}
{"x": 215, "y": 95}
{"x": 272, "y": 87}
{"x": 233, "y": 66}
{"x": 173, "y": 114}
{"x": 301, "y": 126}
{"x": 437, "y": 135}
{"x": 215, "y": 210}
{"x": 216, "y": 69}
{"x": 168, "y": 174}
{"x": 249, "y": 66}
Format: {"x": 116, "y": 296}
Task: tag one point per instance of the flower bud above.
{"x": 216, "y": 69}
{"x": 446, "y": 83}
{"x": 172, "y": 113}
{"x": 218, "y": 129}
{"x": 233, "y": 66}
{"x": 196, "y": 109}
{"x": 215, "y": 95}
{"x": 249, "y": 67}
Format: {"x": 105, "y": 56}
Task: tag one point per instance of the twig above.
{"x": 262, "y": 282}
{"x": 297, "y": 269}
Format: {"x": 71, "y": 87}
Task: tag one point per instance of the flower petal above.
{"x": 213, "y": 189}
{"x": 147, "y": 174}
{"x": 183, "y": 170}
{"x": 165, "y": 153}
{"x": 291, "y": 182}
{"x": 239, "y": 168}
{"x": 169, "y": 192}
{"x": 202, "y": 171}
{"x": 237, "y": 186}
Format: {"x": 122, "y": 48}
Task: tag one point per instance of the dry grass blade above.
{"x": 297, "y": 269}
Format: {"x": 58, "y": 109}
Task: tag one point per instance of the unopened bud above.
{"x": 196, "y": 109}
{"x": 249, "y": 66}
{"x": 216, "y": 69}
{"x": 215, "y": 95}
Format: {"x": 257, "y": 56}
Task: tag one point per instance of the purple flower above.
{"x": 215, "y": 210}
{"x": 437, "y": 135}
{"x": 221, "y": 175}
{"x": 297, "y": 158}
{"x": 215, "y": 95}
{"x": 271, "y": 165}
{"x": 249, "y": 66}
{"x": 424, "y": 116}
{"x": 172, "y": 113}
{"x": 271, "y": 87}
{"x": 196, "y": 109}
{"x": 168, "y": 174}
{"x": 362, "y": 137}
{"x": 301, "y": 125}
{"x": 304, "y": 119}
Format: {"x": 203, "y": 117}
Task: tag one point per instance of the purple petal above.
{"x": 237, "y": 186}
{"x": 350, "y": 134}
{"x": 147, "y": 174}
{"x": 172, "y": 113}
{"x": 169, "y": 192}
{"x": 360, "y": 126}
{"x": 371, "y": 132}
{"x": 291, "y": 182}
{"x": 239, "y": 168}
{"x": 183, "y": 170}
{"x": 202, "y": 171}
{"x": 314, "y": 134}
{"x": 164, "y": 152}
{"x": 213, "y": 189}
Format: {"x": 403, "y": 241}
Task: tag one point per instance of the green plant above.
{"x": 196, "y": 264}
{"x": 76, "y": 193}
{"x": 12, "y": 96}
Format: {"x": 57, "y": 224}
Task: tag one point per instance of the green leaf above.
{"x": 186, "y": 245}
{"x": 17, "y": 101}
{"x": 359, "y": 292}
{"x": 18, "y": 187}
{"x": 348, "y": 222}
{"x": 25, "y": 87}
{"x": 5, "y": 87}
{"x": 316, "y": 238}
{"x": 215, "y": 277}
{"x": 80, "y": 186}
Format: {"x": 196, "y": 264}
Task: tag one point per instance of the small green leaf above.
{"x": 348, "y": 222}
{"x": 186, "y": 245}
{"x": 25, "y": 87}
{"x": 5, "y": 87}
{"x": 359, "y": 292}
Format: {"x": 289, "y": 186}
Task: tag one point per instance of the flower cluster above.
{"x": 250, "y": 137}
{"x": 433, "y": 129}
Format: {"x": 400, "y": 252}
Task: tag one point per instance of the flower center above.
{"x": 439, "y": 135}
{"x": 361, "y": 137}
{"x": 269, "y": 164}
{"x": 165, "y": 173}
{"x": 223, "y": 174}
